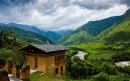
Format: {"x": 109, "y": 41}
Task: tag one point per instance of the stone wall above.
{"x": 4, "y": 75}
{"x": 25, "y": 73}
{"x": 9, "y": 66}
{"x": 16, "y": 71}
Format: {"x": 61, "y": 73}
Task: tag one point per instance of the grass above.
{"x": 105, "y": 55}
{"x": 92, "y": 48}
{"x": 96, "y": 50}
{"x": 36, "y": 76}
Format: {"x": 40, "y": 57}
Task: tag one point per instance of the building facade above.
{"x": 43, "y": 57}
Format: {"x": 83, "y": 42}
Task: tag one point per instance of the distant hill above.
{"x": 88, "y": 31}
{"x": 118, "y": 33}
{"x": 28, "y": 36}
{"x": 51, "y": 35}
{"x": 63, "y": 32}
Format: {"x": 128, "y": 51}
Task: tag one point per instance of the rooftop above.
{"x": 47, "y": 47}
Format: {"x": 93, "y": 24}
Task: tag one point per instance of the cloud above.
{"x": 127, "y": 2}
{"x": 94, "y": 4}
{"x": 59, "y": 14}
{"x": 100, "y": 4}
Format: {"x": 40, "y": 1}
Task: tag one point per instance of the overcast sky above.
{"x": 59, "y": 14}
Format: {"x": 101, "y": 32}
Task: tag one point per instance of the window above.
{"x": 61, "y": 70}
{"x": 56, "y": 71}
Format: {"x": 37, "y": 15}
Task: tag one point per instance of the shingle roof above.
{"x": 50, "y": 47}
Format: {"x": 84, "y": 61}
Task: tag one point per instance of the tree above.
{"x": 7, "y": 39}
{"x": 52, "y": 70}
{"x": 5, "y": 53}
{"x": 101, "y": 77}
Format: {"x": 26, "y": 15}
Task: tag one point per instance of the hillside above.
{"x": 88, "y": 31}
{"x": 51, "y": 35}
{"x": 118, "y": 33}
{"x": 28, "y": 36}
{"x": 64, "y": 32}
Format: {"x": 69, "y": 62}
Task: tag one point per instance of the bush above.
{"x": 25, "y": 67}
{"x": 119, "y": 77}
{"x": 109, "y": 69}
{"x": 123, "y": 56}
{"x": 101, "y": 77}
{"x": 5, "y": 53}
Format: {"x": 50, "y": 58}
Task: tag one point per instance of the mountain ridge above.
{"x": 28, "y": 36}
{"x": 64, "y": 32}
{"x": 88, "y": 31}
{"x": 51, "y": 35}
{"x": 119, "y": 32}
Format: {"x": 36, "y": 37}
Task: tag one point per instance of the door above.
{"x": 35, "y": 63}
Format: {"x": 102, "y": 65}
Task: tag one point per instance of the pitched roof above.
{"x": 49, "y": 47}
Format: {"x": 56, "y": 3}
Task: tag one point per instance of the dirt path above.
{"x": 13, "y": 78}
{"x": 81, "y": 54}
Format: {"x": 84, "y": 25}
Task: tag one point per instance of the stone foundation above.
{"x": 16, "y": 71}
{"x": 25, "y": 74}
{"x": 4, "y": 75}
{"x": 9, "y": 66}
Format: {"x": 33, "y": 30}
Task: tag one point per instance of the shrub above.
{"x": 25, "y": 67}
{"x": 101, "y": 77}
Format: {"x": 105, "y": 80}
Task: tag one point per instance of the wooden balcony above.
{"x": 60, "y": 62}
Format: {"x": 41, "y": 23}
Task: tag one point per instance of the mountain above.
{"x": 63, "y": 32}
{"x": 88, "y": 31}
{"x": 51, "y": 35}
{"x": 118, "y": 33}
{"x": 28, "y": 36}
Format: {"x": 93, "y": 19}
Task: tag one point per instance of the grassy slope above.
{"x": 111, "y": 41}
{"x": 119, "y": 32}
{"x": 36, "y": 76}
{"x": 76, "y": 38}
{"x": 30, "y": 37}
{"x": 88, "y": 31}
{"x": 96, "y": 50}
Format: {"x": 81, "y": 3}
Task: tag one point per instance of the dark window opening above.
{"x": 61, "y": 70}
{"x": 56, "y": 71}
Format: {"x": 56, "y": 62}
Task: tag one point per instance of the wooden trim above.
{"x": 61, "y": 62}
{"x": 36, "y": 55}
{"x": 46, "y": 54}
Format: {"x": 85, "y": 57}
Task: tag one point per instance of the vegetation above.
{"x": 87, "y": 32}
{"x": 9, "y": 48}
{"x": 111, "y": 46}
{"x": 51, "y": 35}
{"x": 118, "y": 33}
{"x": 25, "y": 66}
{"x": 27, "y": 37}
{"x": 52, "y": 70}
{"x": 95, "y": 69}
{"x": 38, "y": 76}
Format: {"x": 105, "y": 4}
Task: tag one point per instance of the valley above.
{"x": 95, "y": 47}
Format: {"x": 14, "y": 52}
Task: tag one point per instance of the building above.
{"x": 42, "y": 57}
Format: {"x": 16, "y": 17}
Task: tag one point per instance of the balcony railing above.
{"x": 60, "y": 62}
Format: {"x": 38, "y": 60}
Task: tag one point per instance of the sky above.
{"x": 55, "y": 15}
